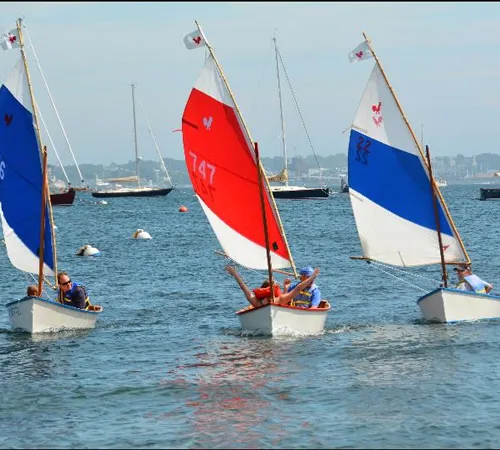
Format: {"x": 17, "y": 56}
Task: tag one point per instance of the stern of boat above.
{"x": 281, "y": 319}
{"x": 39, "y": 315}
{"x": 446, "y": 305}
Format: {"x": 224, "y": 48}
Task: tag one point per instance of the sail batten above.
{"x": 21, "y": 178}
{"x": 390, "y": 188}
{"x": 222, "y": 166}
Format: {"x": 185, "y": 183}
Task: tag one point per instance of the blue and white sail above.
{"x": 390, "y": 189}
{"x": 21, "y": 178}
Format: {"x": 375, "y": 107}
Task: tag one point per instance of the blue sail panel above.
{"x": 393, "y": 179}
{"x": 21, "y": 178}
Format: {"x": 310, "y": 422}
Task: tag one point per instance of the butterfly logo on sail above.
{"x": 8, "y": 119}
{"x": 377, "y": 117}
{"x": 207, "y": 122}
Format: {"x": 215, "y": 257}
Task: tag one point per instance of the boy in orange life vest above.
{"x": 261, "y": 296}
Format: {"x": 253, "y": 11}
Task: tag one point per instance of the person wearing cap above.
{"x": 262, "y": 296}
{"x": 467, "y": 281}
{"x": 309, "y": 296}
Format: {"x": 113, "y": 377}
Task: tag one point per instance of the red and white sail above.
{"x": 222, "y": 166}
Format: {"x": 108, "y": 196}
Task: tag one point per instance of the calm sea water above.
{"x": 167, "y": 364}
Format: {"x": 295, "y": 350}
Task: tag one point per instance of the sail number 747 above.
{"x": 203, "y": 173}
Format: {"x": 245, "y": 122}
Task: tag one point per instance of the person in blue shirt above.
{"x": 467, "y": 281}
{"x": 309, "y": 296}
{"x": 72, "y": 293}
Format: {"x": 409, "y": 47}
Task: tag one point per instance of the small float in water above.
{"x": 88, "y": 250}
{"x": 141, "y": 234}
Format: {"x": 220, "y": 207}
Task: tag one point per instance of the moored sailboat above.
{"x": 410, "y": 226}
{"x": 224, "y": 166}
{"x": 286, "y": 191}
{"x": 28, "y": 231}
{"x": 136, "y": 191}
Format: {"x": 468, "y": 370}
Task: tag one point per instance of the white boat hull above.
{"x": 279, "y": 319}
{"x": 453, "y": 305}
{"x": 38, "y": 315}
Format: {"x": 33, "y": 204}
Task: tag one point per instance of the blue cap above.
{"x": 307, "y": 271}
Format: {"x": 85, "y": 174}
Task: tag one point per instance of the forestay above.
{"x": 390, "y": 188}
{"x": 222, "y": 166}
{"x": 21, "y": 178}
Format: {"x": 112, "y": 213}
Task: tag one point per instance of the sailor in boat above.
{"x": 309, "y": 295}
{"x": 32, "y": 291}
{"x": 467, "y": 281}
{"x": 73, "y": 293}
{"x": 262, "y": 296}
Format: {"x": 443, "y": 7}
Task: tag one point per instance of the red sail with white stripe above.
{"x": 222, "y": 166}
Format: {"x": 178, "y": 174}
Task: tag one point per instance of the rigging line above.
{"x": 53, "y": 145}
{"x": 400, "y": 279}
{"x": 54, "y": 105}
{"x": 154, "y": 142}
{"x": 405, "y": 272}
{"x": 299, "y": 111}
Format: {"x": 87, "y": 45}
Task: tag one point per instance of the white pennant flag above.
{"x": 10, "y": 40}
{"x": 362, "y": 51}
{"x": 194, "y": 40}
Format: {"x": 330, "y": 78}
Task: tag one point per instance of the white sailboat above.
{"x": 28, "y": 230}
{"x": 136, "y": 191}
{"x": 407, "y": 226}
{"x": 224, "y": 167}
{"x": 286, "y": 191}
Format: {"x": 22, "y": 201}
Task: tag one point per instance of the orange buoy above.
{"x": 183, "y": 209}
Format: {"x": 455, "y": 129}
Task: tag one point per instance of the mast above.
{"x": 417, "y": 144}
{"x": 436, "y": 214}
{"x": 45, "y": 186}
{"x": 264, "y": 221}
{"x": 281, "y": 111}
{"x": 135, "y": 136}
{"x": 42, "y": 224}
{"x": 221, "y": 73}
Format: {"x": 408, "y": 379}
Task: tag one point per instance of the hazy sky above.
{"x": 441, "y": 59}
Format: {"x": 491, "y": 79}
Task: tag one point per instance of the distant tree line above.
{"x": 458, "y": 166}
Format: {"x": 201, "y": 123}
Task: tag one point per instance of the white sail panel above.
{"x": 390, "y": 239}
{"x": 378, "y": 116}
{"x": 210, "y": 83}
{"x": 19, "y": 254}
{"x": 239, "y": 248}
{"x": 17, "y": 84}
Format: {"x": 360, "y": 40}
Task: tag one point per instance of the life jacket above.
{"x": 262, "y": 293}
{"x": 303, "y": 298}
{"x": 67, "y": 296}
{"x": 476, "y": 283}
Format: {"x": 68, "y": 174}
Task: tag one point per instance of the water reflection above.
{"x": 234, "y": 393}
